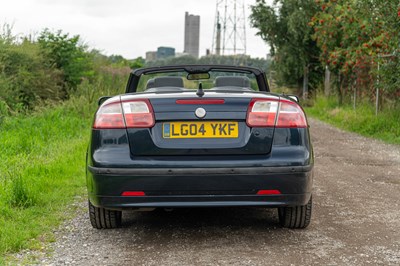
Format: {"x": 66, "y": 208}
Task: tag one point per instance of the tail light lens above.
{"x": 109, "y": 116}
{"x": 280, "y": 113}
{"x": 127, "y": 114}
{"x": 138, "y": 113}
{"x": 262, "y": 113}
{"x": 291, "y": 115}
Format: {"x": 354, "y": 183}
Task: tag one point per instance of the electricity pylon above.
{"x": 229, "y": 36}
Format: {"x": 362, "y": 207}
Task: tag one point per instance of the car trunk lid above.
{"x": 181, "y": 129}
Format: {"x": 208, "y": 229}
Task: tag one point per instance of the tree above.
{"x": 137, "y": 63}
{"x": 355, "y": 36}
{"x": 25, "y": 79}
{"x": 284, "y": 26}
{"x": 66, "y": 53}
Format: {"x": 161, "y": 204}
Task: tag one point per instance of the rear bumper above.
{"x": 132, "y": 203}
{"x": 199, "y": 187}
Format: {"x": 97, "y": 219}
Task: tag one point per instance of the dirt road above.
{"x": 356, "y": 221}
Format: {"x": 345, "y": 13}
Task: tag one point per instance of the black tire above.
{"x": 297, "y": 217}
{"x": 101, "y": 218}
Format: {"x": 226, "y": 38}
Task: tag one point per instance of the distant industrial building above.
{"x": 161, "y": 53}
{"x": 164, "y": 52}
{"x": 192, "y": 34}
{"x": 151, "y": 56}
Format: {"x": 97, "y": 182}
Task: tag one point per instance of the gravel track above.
{"x": 356, "y": 221}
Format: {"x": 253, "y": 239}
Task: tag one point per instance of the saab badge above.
{"x": 200, "y": 112}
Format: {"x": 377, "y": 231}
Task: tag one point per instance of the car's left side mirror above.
{"x": 102, "y": 99}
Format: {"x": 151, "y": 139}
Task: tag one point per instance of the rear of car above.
{"x": 171, "y": 146}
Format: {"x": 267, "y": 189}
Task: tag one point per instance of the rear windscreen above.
{"x": 216, "y": 80}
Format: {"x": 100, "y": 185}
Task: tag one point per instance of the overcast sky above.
{"x": 125, "y": 27}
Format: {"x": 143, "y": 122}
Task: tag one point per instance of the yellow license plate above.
{"x": 200, "y": 129}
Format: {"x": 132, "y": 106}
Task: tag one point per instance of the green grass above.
{"x": 385, "y": 126}
{"x": 42, "y": 170}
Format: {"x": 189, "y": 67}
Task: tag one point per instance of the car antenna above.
{"x": 200, "y": 91}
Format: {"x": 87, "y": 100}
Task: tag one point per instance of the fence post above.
{"x": 305, "y": 83}
{"x": 355, "y": 94}
{"x": 327, "y": 83}
{"x": 377, "y": 92}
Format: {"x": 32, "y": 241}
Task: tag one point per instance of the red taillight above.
{"x": 133, "y": 193}
{"x": 138, "y": 113}
{"x": 268, "y": 192}
{"x": 290, "y": 115}
{"x": 109, "y": 116}
{"x": 128, "y": 114}
{"x": 274, "y": 112}
{"x": 262, "y": 113}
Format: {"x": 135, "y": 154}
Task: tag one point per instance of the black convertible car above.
{"x": 199, "y": 136}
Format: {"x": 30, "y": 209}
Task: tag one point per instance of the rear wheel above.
{"x": 295, "y": 217}
{"x": 101, "y": 218}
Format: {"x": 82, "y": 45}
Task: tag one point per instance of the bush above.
{"x": 67, "y": 54}
{"x": 24, "y": 78}
{"x": 54, "y": 68}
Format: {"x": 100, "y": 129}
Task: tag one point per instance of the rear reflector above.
{"x": 273, "y": 112}
{"x": 127, "y": 114}
{"x": 202, "y": 101}
{"x": 268, "y": 192}
{"x": 133, "y": 194}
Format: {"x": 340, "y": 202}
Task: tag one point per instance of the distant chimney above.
{"x": 192, "y": 34}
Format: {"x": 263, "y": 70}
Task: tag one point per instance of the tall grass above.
{"x": 42, "y": 170}
{"x": 384, "y": 126}
{"x": 42, "y": 166}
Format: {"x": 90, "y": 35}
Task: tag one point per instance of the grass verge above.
{"x": 362, "y": 120}
{"x": 42, "y": 170}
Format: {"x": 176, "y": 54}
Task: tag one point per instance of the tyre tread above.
{"x": 101, "y": 218}
{"x": 296, "y": 217}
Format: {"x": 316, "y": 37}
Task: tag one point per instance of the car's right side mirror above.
{"x": 294, "y": 97}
